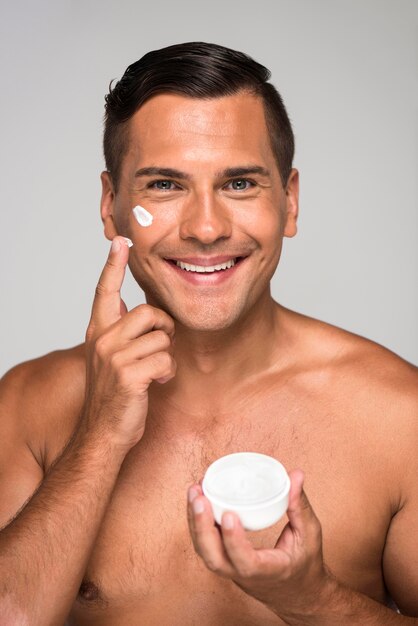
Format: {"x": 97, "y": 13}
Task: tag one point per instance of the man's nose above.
{"x": 205, "y": 218}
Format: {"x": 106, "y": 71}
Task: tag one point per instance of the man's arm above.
{"x": 44, "y": 549}
{"x": 292, "y": 579}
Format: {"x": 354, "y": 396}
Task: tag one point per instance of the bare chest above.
{"x": 143, "y": 566}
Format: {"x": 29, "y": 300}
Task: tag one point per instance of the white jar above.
{"x": 252, "y": 485}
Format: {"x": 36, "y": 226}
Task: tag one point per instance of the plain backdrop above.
{"x": 348, "y": 73}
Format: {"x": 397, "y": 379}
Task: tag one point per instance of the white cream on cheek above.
{"x": 142, "y": 216}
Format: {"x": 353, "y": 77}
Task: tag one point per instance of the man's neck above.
{"x": 212, "y": 364}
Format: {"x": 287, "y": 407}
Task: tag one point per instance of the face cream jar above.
{"x": 252, "y": 485}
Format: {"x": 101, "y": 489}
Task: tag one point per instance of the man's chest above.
{"x": 143, "y": 565}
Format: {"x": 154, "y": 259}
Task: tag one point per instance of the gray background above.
{"x": 347, "y": 71}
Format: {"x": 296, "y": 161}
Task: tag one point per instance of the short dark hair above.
{"x": 198, "y": 70}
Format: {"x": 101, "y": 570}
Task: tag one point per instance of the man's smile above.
{"x": 189, "y": 267}
{"x": 206, "y": 270}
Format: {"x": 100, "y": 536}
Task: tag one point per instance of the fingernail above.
{"x": 228, "y": 521}
{"x": 115, "y": 245}
{"x": 129, "y": 242}
{"x": 198, "y": 506}
{"x": 193, "y": 493}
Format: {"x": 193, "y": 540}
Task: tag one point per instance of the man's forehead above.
{"x": 224, "y": 115}
{"x": 177, "y": 127}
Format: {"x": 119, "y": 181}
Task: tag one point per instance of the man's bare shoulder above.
{"x": 365, "y": 388}
{"x": 363, "y": 374}
{"x": 43, "y": 397}
{"x": 354, "y": 356}
{"x": 50, "y": 378}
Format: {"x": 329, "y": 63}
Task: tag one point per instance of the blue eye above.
{"x": 238, "y": 184}
{"x": 155, "y": 182}
{"x": 242, "y": 180}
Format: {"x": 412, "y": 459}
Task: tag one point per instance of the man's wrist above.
{"x": 320, "y": 602}
{"x": 338, "y": 604}
{"x": 98, "y": 445}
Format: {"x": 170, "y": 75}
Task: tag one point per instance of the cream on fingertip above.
{"x": 129, "y": 242}
{"x": 115, "y": 247}
{"x": 142, "y": 216}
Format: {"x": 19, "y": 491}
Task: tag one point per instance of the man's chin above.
{"x": 205, "y": 315}
{"x": 202, "y": 325}
{"x": 206, "y": 318}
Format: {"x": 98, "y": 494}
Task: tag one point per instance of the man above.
{"x": 100, "y": 443}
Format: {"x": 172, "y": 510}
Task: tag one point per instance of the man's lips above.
{"x": 219, "y": 268}
{"x": 206, "y": 261}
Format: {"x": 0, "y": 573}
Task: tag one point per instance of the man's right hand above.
{"x": 125, "y": 352}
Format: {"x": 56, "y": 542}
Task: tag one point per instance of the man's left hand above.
{"x": 291, "y": 578}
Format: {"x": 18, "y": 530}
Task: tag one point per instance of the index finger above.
{"x": 106, "y": 304}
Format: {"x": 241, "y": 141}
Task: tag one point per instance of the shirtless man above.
{"x": 100, "y": 443}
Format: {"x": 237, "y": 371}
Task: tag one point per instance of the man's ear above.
{"x": 107, "y": 205}
{"x": 292, "y": 204}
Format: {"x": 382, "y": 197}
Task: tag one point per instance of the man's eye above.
{"x": 165, "y": 182}
{"x": 241, "y": 182}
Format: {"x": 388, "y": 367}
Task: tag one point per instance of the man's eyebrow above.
{"x": 242, "y": 170}
{"x": 161, "y": 171}
{"x": 229, "y": 172}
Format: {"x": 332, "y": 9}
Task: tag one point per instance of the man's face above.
{"x": 203, "y": 215}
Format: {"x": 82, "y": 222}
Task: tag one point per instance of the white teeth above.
{"x": 205, "y": 268}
